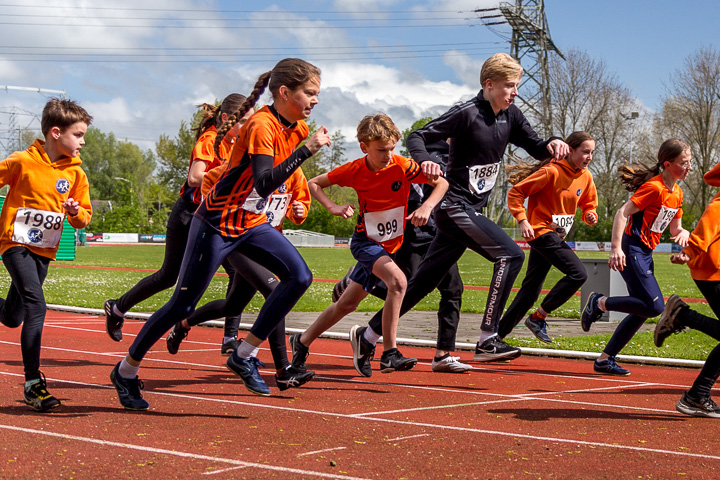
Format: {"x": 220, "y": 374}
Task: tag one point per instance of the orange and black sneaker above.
{"x": 38, "y": 398}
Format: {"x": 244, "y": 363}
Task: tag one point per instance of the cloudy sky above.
{"x": 141, "y": 67}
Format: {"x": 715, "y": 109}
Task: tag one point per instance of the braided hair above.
{"x": 633, "y": 176}
{"x": 290, "y": 72}
{"x": 523, "y": 168}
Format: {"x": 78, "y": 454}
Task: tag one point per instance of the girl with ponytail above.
{"x": 232, "y": 218}
{"x": 554, "y": 189}
{"x": 638, "y": 225}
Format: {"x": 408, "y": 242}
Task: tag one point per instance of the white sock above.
{"x": 30, "y": 383}
{"x": 245, "y": 350}
{"x": 371, "y": 336}
{"x": 485, "y": 335}
{"x": 128, "y": 371}
{"x": 117, "y": 312}
{"x": 228, "y": 339}
{"x": 600, "y": 305}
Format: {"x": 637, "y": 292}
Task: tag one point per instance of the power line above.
{"x": 205, "y": 10}
{"x": 293, "y": 23}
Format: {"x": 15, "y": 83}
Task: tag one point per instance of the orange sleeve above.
{"x": 712, "y": 177}
{"x": 413, "y": 171}
{"x": 203, "y": 149}
{"x": 301, "y": 193}
{"x": 589, "y": 201}
{"x": 81, "y": 194}
{"x": 261, "y": 136}
{"x": 529, "y": 185}
{"x": 343, "y": 175}
{"x": 644, "y": 196}
{"x": 707, "y": 229}
{"x": 211, "y": 177}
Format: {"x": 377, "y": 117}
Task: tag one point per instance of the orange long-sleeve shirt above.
{"x": 32, "y": 215}
{"x": 554, "y": 192}
{"x": 704, "y": 245}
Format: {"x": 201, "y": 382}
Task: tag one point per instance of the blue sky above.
{"x": 408, "y": 59}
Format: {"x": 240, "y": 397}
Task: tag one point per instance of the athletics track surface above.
{"x": 531, "y": 418}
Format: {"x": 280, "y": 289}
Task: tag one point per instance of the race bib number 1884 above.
{"x": 483, "y": 177}
{"x": 38, "y": 228}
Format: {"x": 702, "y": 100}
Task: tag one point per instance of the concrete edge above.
{"x": 545, "y": 352}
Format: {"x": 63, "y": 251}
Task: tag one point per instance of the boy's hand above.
{"x": 558, "y": 148}
{"x": 344, "y": 211}
{"x": 591, "y": 218}
{"x": 298, "y": 209}
{"x": 679, "y": 258}
{"x": 420, "y": 216}
{"x": 71, "y": 206}
{"x": 431, "y": 170}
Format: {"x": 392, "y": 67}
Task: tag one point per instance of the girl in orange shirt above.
{"x": 655, "y": 205}
{"x": 554, "y": 190}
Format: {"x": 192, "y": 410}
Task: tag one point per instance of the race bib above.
{"x": 663, "y": 219}
{"x": 255, "y": 203}
{"x": 564, "y": 221}
{"x": 385, "y": 225}
{"x": 482, "y": 177}
{"x": 277, "y": 208}
{"x": 38, "y": 228}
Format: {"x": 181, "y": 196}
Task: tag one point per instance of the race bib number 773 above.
{"x": 38, "y": 228}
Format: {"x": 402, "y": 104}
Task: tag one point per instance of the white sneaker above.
{"x": 450, "y": 364}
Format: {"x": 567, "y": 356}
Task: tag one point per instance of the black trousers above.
{"x": 460, "y": 227}
{"x": 546, "y": 251}
{"x": 25, "y": 303}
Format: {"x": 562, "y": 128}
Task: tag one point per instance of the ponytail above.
{"x": 633, "y": 176}
{"x": 523, "y": 169}
{"x": 211, "y": 114}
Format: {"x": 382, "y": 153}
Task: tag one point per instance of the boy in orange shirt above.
{"x": 702, "y": 255}
{"x": 382, "y": 181}
{"x": 46, "y": 184}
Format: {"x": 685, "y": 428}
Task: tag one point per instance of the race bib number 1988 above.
{"x": 38, "y": 228}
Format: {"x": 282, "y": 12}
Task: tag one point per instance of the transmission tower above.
{"x": 13, "y": 140}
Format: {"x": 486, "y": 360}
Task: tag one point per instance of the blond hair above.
{"x": 377, "y": 127}
{"x": 500, "y": 66}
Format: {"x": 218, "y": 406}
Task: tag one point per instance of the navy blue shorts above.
{"x": 366, "y": 252}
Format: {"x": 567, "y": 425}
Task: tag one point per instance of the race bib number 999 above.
{"x": 483, "y": 177}
{"x": 385, "y": 225}
{"x": 38, "y": 228}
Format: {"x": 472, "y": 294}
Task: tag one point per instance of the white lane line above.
{"x": 407, "y": 438}
{"x": 224, "y": 470}
{"x": 320, "y": 451}
{"x": 162, "y": 451}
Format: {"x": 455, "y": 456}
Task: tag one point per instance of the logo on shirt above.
{"x": 579, "y": 191}
{"x": 260, "y": 206}
{"x": 396, "y": 186}
{"x": 270, "y": 216}
{"x": 282, "y": 188}
{"x": 35, "y": 235}
{"x": 62, "y": 185}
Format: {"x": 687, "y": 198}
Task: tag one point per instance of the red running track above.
{"x": 530, "y": 418}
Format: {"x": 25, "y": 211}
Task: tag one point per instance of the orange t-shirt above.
{"x": 658, "y": 207}
{"x": 554, "y": 192}
{"x": 383, "y": 197}
{"x": 233, "y": 206}
{"x": 704, "y": 245}
{"x": 203, "y": 151}
{"x": 32, "y": 215}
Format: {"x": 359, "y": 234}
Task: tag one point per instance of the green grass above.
{"x": 90, "y": 287}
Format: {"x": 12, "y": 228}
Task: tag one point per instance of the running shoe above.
{"x": 247, "y": 370}
{"x": 342, "y": 285}
{"x": 227, "y": 348}
{"x": 128, "y": 390}
{"x": 494, "y": 349}
{"x": 293, "y": 377}
{"x": 113, "y": 322}
{"x": 450, "y": 364}
{"x": 38, "y": 398}
{"x": 300, "y": 352}
{"x": 703, "y": 407}
{"x": 363, "y": 351}
{"x": 592, "y": 312}
{"x": 538, "y": 328}
{"x": 175, "y": 337}
{"x": 610, "y": 367}
{"x": 669, "y": 322}
{"x": 393, "y": 361}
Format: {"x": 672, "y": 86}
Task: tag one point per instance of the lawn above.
{"x": 90, "y": 287}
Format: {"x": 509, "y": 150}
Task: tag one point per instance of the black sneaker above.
{"x": 610, "y": 367}
{"x": 292, "y": 377}
{"x": 494, "y": 349}
{"x": 669, "y": 322}
{"x": 299, "y": 351}
{"x": 38, "y": 398}
{"x": 128, "y": 390}
{"x": 113, "y": 322}
{"x": 538, "y": 328}
{"x": 342, "y": 285}
{"x": 703, "y": 407}
{"x": 247, "y": 370}
{"x": 175, "y": 337}
{"x": 393, "y": 361}
{"x": 591, "y": 313}
{"x": 227, "y": 348}
{"x": 363, "y": 351}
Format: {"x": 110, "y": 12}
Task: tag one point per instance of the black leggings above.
{"x": 249, "y": 278}
{"x": 461, "y": 227}
{"x": 546, "y": 251}
{"x": 710, "y": 326}
{"x": 25, "y": 303}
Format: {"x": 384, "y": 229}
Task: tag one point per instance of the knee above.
{"x": 657, "y": 307}
{"x": 397, "y": 285}
{"x": 579, "y": 277}
{"x": 11, "y": 322}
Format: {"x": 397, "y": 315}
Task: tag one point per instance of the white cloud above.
{"x": 465, "y": 67}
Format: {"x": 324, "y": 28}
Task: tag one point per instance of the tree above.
{"x": 174, "y": 154}
{"x": 418, "y": 124}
